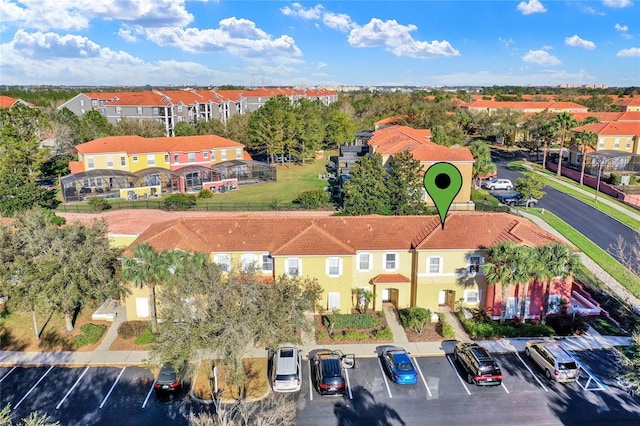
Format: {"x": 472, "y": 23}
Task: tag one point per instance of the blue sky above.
{"x": 321, "y": 43}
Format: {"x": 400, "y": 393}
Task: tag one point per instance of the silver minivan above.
{"x": 556, "y": 362}
{"x": 286, "y": 371}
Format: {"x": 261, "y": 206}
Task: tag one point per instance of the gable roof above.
{"x": 8, "y": 102}
{"x": 302, "y": 235}
{"x": 395, "y": 139}
{"x": 612, "y": 128}
{"x": 527, "y": 106}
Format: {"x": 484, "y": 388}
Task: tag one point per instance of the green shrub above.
{"x": 446, "y": 330}
{"x": 492, "y": 329}
{"x": 615, "y": 178}
{"x": 383, "y": 334}
{"x": 313, "y": 199}
{"x": 322, "y": 335}
{"x": 131, "y": 329}
{"x": 205, "y": 194}
{"x": 356, "y": 335}
{"x": 91, "y": 333}
{"x": 354, "y": 321}
{"x": 145, "y": 338}
{"x": 339, "y": 337}
{"x": 415, "y": 318}
{"x": 180, "y": 201}
{"x": 97, "y": 204}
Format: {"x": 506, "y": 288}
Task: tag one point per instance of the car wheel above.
{"x": 509, "y": 187}
{"x": 526, "y": 352}
{"x": 492, "y": 188}
{"x": 469, "y": 378}
{"x": 548, "y": 374}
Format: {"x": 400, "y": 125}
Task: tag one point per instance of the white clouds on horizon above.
{"x": 541, "y": 57}
{"x": 630, "y": 52}
{"x": 530, "y": 7}
{"x": 576, "y": 41}
{"x": 617, "y": 3}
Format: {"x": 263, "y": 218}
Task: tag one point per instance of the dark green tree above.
{"x": 482, "y": 165}
{"x": 366, "y": 192}
{"x": 311, "y": 129}
{"x": 182, "y": 128}
{"x": 340, "y": 127}
{"x": 404, "y": 184}
{"x": 564, "y": 122}
{"x": 94, "y": 126}
{"x": 272, "y": 128}
{"x": 211, "y": 127}
{"x": 530, "y": 186}
{"x": 585, "y": 140}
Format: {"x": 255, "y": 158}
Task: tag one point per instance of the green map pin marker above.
{"x": 443, "y": 181}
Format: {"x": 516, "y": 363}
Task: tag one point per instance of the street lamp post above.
{"x": 598, "y": 182}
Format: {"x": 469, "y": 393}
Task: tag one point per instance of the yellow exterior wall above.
{"x": 130, "y": 302}
{"x": 121, "y": 240}
{"x": 610, "y": 143}
{"x": 464, "y": 196}
{"x": 143, "y": 162}
{"x": 100, "y": 161}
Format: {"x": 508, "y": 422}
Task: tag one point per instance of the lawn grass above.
{"x": 601, "y": 257}
{"x": 587, "y": 199}
{"x": 292, "y": 180}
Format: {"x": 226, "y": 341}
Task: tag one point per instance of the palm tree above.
{"x": 564, "y": 123}
{"x": 585, "y": 139}
{"x": 498, "y": 269}
{"x": 556, "y": 261}
{"x": 147, "y": 268}
{"x": 524, "y": 264}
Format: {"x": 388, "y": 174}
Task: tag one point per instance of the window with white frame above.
{"x": 205, "y": 154}
{"x": 135, "y": 158}
{"x": 109, "y": 161}
{"x": 123, "y": 160}
{"x": 154, "y": 110}
{"x": 333, "y": 301}
{"x": 179, "y": 108}
{"x": 223, "y": 155}
{"x": 139, "y": 110}
{"x": 118, "y": 110}
{"x": 471, "y": 296}
{"x": 94, "y": 102}
{"x": 364, "y": 261}
{"x": 238, "y": 153}
{"x": 90, "y": 163}
{"x": 191, "y": 157}
{"x": 334, "y": 266}
{"x": 81, "y": 102}
{"x": 628, "y": 143}
{"x": 293, "y": 267}
{"x": 213, "y": 155}
{"x": 267, "y": 263}
{"x": 434, "y": 265}
{"x": 473, "y": 264}
{"x": 248, "y": 262}
{"x": 224, "y": 261}
{"x": 151, "y": 159}
{"x": 616, "y": 143}
{"x": 81, "y": 110}
{"x": 601, "y": 144}
{"x": 176, "y": 158}
{"x": 166, "y": 158}
{"x": 390, "y": 261}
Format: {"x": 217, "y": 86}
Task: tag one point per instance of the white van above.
{"x": 286, "y": 372}
{"x": 556, "y": 362}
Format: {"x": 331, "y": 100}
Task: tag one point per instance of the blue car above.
{"x": 398, "y": 366}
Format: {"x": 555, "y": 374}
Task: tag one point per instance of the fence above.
{"x": 204, "y": 206}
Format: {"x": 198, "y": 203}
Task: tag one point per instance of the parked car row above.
{"x": 476, "y": 364}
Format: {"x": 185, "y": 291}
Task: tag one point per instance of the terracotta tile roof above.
{"x": 629, "y": 116}
{"x": 602, "y": 116}
{"x": 390, "y": 279}
{"x": 102, "y": 95}
{"x": 148, "y": 98}
{"x": 394, "y": 139}
{"x": 140, "y": 145}
{"x": 612, "y": 128}
{"x": 76, "y": 167}
{"x": 635, "y": 101}
{"x": 322, "y": 235}
{"x": 8, "y": 102}
{"x": 551, "y": 105}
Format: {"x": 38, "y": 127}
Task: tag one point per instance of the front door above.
{"x": 451, "y": 299}
{"x": 393, "y": 296}
{"x": 442, "y": 297}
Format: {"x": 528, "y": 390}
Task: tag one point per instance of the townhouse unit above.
{"x": 147, "y": 166}
{"x": 172, "y": 106}
{"x": 405, "y": 260}
{"x": 391, "y": 140}
{"x": 9, "y": 102}
{"x": 524, "y": 107}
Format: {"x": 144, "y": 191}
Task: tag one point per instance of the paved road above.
{"x": 590, "y": 222}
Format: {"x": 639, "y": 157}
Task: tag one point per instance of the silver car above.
{"x": 556, "y": 362}
{"x": 286, "y": 371}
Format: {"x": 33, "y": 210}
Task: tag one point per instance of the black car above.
{"x": 478, "y": 365}
{"x": 326, "y": 368}
{"x": 169, "y": 378}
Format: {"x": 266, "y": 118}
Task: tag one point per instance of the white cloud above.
{"x": 397, "y": 39}
{"x": 532, "y": 6}
{"x": 296, "y": 9}
{"x": 239, "y": 37}
{"x": 621, "y": 28}
{"x": 338, "y": 21}
{"x": 541, "y": 57}
{"x": 322, "y": 64}
{"x": 520, "y": 78}
{"x": 507, "y": 42}
{"x": 576, "y": 41}
{"x": 125, "y": 33}
{"x": 632, "y": 51}
{"x": 617, "y": 3}
{"x": 45, "y": 15}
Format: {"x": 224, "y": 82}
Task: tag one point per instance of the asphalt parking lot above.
{"x": 443, "y": 396}
{"x": 124, "y": 395}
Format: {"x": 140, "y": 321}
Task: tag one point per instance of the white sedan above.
{"x": 498, "y": 184}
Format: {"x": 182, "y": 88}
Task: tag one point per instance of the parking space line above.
{"x": 424, "y": 380}
{"x": 72, "y": 387}
{"x": 384, "y": 377}
{"x": 505, "y": 388}
{"x": 112, "y": 387}
{"x": 310, "y": 384}
{"x": 33, "y": 387}
{"x": 144, "y": 404}
{"x": 530, "y": 371}
{"x": 5, "y": 376}
{"x": 458, "y": 376}
{"x": 598, "y": 382}
{"x": 346, "y": 373}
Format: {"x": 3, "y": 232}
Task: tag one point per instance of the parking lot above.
{"x": 124, "y": 395}
{"x": 443, "y": 396}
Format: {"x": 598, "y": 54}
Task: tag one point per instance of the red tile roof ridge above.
{"x": 313, "y": 228}
{"x": 390, "y": 279}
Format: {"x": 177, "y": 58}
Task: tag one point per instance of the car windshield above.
{"x": 567, "y": 365}
{"x": 286, "y": 377}
{"x": 489, "y": 368}
{"x": 167, "y": 374}
{"x": 404, "y": 366}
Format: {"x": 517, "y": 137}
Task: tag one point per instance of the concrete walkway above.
{"x": 393, "y": 321}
